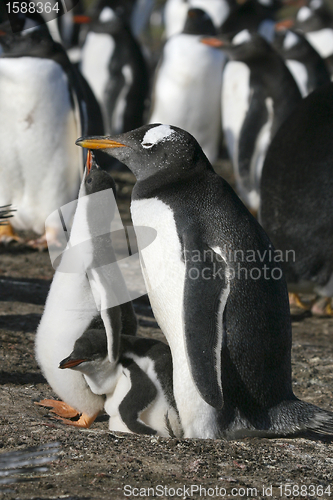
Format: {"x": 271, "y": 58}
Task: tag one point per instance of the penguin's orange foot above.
{"x": 323, "y": 307}
{"x": 60, "y": 408}
{"x": 8, "y": 235}
{"x": 84, "y": 421}
{"x": 48, "y": 239}
{"x": 295, "y": 300}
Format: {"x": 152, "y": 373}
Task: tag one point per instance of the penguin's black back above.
{"x": 297, "y": 188}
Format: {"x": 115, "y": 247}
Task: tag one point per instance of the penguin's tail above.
{"x": 295, "y": 416}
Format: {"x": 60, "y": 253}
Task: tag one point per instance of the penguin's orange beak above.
{"x": 81, "y": 19}
{"x": 99, "y": 143}
{"x": 284, "y": 25}
{"x": 71, "y": 363}
{"x": 212, "y": 42}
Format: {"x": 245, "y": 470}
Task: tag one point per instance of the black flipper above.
{"x": 140, "y": 396}
{"x": 206, "y": 278}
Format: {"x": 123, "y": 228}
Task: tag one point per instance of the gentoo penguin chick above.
{"x": 138, "y": 389}
{"x": 215, "y": 290}
{"x": 41, "y": 115}
{"x": 296, "y": 196}
{"x": 304, "y": 62}
{"x": 85, "y": 292}
{"x": 258, "y": 94}
{"x": 113, "y": 64}
{"x": 187, "y": 89}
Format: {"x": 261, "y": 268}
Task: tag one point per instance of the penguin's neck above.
{"x": 101, "y": 376}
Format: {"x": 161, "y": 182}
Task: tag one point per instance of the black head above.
{"x": 30, "y": 36}
{"x": 153, "y": 150}
{"x": 198, "y": 22}
{"x": 97, "y": 179}
{"x": 91, "y": 346}
{"x": 244, "y": 46}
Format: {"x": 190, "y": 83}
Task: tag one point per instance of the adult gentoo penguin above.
{"x": 296, "y": 196}
{"x": 189, "y": 76}
{"x": 303, "y": 61}
{"x": 138, "y": 388}
{"x": 113, "y": 64}
{"x": 85, "y": 292}
{"x": 224, "y": 311}
{"x": 44, "y": 104}
{"x": 258, "y": 94}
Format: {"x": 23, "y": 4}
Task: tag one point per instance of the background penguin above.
{"x": 187, "y": 88}
{"x": 44, "y": 104}
{"x": 296, "y": 195}
{"x": 253, "y": 15}
{"x": 138, "y": 389}
{"x": 79, "y": 298}
{"x": 175, "y": 13}
{"x": 258, "y": 94}
{"x": 114, "y": 66}
{"x": 316, "y": 22}
{"x": 304, "y": 62}
{"x": 227, "y": 324}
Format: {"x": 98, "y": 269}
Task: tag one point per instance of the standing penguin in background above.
{"x": 114, "y": 66}
{"x": 85, "y": 293}
{"x": 138, "y": 389}
{"x": 225, "y": 315}
{"x": 316, "y": 22}
{"x": 297, "y": 197}
{"x": 304, "y": 62}
{"x": 175, "y": 12}
{"x": 44, "y": 104}
{"x": 258, "y": 94}
{"x": 187, "y": 89}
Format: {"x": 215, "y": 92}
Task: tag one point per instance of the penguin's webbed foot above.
{"x": 48, "y": 239}
{"x": 322, "y": 307}
{"x": 295, "y": 300}
{"x": 84, "y": 421}
{"x": 8, "y": 235}
{"x": 59, "y": 408}
{"x": 64, "y": 412}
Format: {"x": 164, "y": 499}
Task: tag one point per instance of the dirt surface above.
{"x": 98, "y": 464}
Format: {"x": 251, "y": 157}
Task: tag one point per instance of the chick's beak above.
{"x": 98, "y": 143}
{"x": 70, "y": 363}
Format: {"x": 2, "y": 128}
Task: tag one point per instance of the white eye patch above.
{"x": 156, "y": 135}
{"x": 106, "y": 15}
{"x": 241, "y": 37}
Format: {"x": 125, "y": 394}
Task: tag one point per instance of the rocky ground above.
{"x": 65, "y": 462}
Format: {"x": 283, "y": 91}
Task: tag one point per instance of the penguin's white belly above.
{"x": 300, "y": 75}
{"x": 235, "y": 104}
{"x": 39, "y": 164}
{"x": 95, "y": 58}
{"x": 69, "y": 310}
{"x": 164, "y": 274}
{"x": 322, "y": 41}
{"x": 187, "y": 91}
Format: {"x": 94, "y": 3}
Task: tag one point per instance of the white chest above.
{"x": 235, "y": 103}
{"x": 96, "y": 54}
